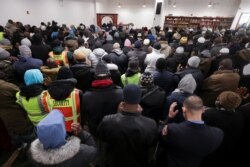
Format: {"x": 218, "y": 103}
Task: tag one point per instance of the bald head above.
{"x": 226, "y": 64}
{"x": 193, "y": 103}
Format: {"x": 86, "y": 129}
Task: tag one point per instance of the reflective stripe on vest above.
{"x": 60, "y": 58}
{"x": 70, "y": 107}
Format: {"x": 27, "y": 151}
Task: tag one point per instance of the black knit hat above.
{"x": 64, "y": 73}
{"x": 132, "y": 94}
{"x": 101, "y": 69}
{"x": 133, "y": 65}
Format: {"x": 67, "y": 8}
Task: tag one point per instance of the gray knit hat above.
{"x": 101, "y": 69}
{"x": 4, "y": 54}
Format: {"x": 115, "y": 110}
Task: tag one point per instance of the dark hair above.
{"x": 161, "y": 64}
{"x": 1, "y": 29}
{"x": 193, "y": 103}
{"x": 226, "y": 64}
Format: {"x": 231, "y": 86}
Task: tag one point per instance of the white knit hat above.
{"x": 194, "y": 61}
{"x": 224, "y": 51}
{"x": 201, "y": 40}
{"x": 26, "y": 41}
{"x": 146, "y": 42}
{"x": 180, "y": 50}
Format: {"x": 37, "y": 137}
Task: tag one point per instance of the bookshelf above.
{"x": 193, "y": 22}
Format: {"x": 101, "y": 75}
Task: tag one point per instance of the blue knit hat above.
{"x": 132, "y": 94}
{"x": 33, "y": 76}
{"x": 51, "y": 130}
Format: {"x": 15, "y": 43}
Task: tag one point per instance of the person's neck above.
{"x": 193, "y": 117}
{"x": 131, "y": 108}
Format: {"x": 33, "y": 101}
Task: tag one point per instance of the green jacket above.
{"x": 134, "y": 79}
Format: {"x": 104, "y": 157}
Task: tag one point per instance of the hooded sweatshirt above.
{"x": 95, "y": 55}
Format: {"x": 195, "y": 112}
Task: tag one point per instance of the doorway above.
{"x": 106, "y": 18}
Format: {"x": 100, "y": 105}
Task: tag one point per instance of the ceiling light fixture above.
{"x": 210, "y": 4}
{"x": 144, "y": 4}
{"x": 119, "y": 5}
{"x": 174, "y": 5}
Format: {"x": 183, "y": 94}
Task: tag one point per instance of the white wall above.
{"x": 244, "y": 7}
{"x": 71, "y": 12}
{"x": 131, "y": 11}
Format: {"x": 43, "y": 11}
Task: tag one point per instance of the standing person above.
{"x": 52, "y": 148}
{"x": 132, "y": 75}
{"x": 127, "y": 137}
{"x": 184, "y": 149}
{"x": 103, "y": 99}
{"x": 30, "y": 96}
{"x": 232, "y": 124}
{"x": 151, "y": 58}
{"x": 63, "y": 95}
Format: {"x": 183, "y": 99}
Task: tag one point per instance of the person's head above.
{"x": 132, "y": 94}
{"x": 79, "y": 55}
{"x": 64, "y": 73}
{"x": 51, "y": 131}
{"x": 1, "y": 29}
{"x": 26, "y": 41}
{"x": 194, "y": 62}
{"x": 133, "y": 65}
{"x": 51, "y": 63}
{"x": 187, "y": 84}
{"x": 161, "y": 64}
{"x": 101, "y": 70}
{"x": 137, "y": 44}
{"x": 226, "y": 64}
{"x": 36, "y": 39}
{"x": 116, "y": 46}
{"x": 4, "y": 54}
{"x": 24, "y": 50}
{"x": 146, "y": 42}
{"x": 107, "y": 58}
{"x": 98, "y": 44}
{"x": 56, "y": 43}
{"x": 228, "y": 100}
{"x": 147, "y": 79}
{"x": 224, "y": 51}
{"x": 127, "y": 43}
{"x": 72, "y": 44}
{"x": 32, "y": 77}
{"x": 157, "y": 46}
{"x": 179, "y": 50}
{"x": 193, "y": 105}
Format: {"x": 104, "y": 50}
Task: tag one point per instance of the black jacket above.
{"x": 188, "y": 143}
{"x": 98, "y": 102}
{"x": 152, "y": 102}
{"x": 126, "y": 139}
{"x": 140, "y": 55}
{"x": 40, "y": 51}
{"x": 120, "y": 59}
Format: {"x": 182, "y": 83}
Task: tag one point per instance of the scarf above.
{"x": 102, "y": 83}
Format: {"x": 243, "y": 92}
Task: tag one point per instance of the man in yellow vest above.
{"x": 63, "y": 95}
{"x": 59, "y": 54}
{"x": 29, "y": 96}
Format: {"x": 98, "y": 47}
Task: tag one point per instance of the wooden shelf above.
{"x": 193, "y": 22}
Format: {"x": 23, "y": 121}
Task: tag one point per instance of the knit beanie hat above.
{"x": 4, "y": 54}
{"x": 229, "y": 100}
{"x": 183, "y": 40}
{"x": 201, "y": 40}
{"x": 109, "y": 38}
{"x": 26, "y": 41}
{"x": 146, "y": 42}
{"x": 64, "y": 73}
{"x": 127, "y": 43}
{"x": 24, "y": 50}
{"x": 137, "y": 44}
{"x": 132, "y": 94}
{"x": 180, "y": 50}
{"x": 51, "y": 130}
{"x": 33, "y": 76}
{"x": 101, "y": 69}
{"x": 194, "y": 61}
{"x": 147, "y": 79}
{"x": 116, "y": 46}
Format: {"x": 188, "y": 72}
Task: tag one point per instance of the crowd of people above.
{"x": 115, "y": 96}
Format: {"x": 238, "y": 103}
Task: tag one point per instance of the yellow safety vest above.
{"x": 60, "y": 59}
{"x": 34, "y": 108}
{"x": 70, "y": 107}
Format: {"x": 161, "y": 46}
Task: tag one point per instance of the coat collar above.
{"x": 54, "y": 156}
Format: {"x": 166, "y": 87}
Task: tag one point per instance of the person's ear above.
{"x": 184, "y": 109}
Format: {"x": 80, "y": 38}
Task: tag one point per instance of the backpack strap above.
{"x": 149, "y": 93}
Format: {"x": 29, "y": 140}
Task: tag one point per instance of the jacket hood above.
{"x": 54, "y": 156}
{"x": 187, "y": 84}
{"x": 58, "y": 50}
{"x": 99, "y": 52}
{"x": 118, "y": 51}
{"x": 31, "y": 91}
{"x": 80, "y": 70}
{"x": 61, "y": 89}
{"x": 112, "y": 66}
